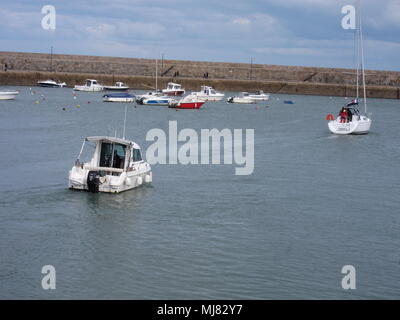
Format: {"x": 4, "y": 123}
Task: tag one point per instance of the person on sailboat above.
{"x": 343, "y": 115}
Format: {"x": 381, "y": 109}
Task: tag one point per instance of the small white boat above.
{"x": 91, "y": 85}
{"x": 119, "y": 97}
{"x": 119, "y": 86}
{"x": 151, "y": 94}
{"x": 8, "y": 95}
{"x": 116, "y": 165}
{"x": 157, "y": 101}
{"x": 173, "y": 89}
{"x": 243, "y": 98}
{"x": 209, "y": 94}
{"x": 259, "y": 96}
{"x": 51, "y": 84}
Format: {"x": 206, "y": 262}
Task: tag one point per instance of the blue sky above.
{"x": 286, "y": 32}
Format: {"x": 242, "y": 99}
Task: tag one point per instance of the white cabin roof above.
{"x": 112, "y": 139}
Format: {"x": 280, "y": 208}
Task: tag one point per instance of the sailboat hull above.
{"x": 359, "y": 125}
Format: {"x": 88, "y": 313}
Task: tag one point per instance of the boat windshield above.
{"x": 112, "y": 155}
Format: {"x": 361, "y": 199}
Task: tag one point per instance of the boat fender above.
{"x": 147, "y": 178}
{"x": 139, "y": 181}
{"x": 330, "y": 117}
{"x": 128, "y": 181}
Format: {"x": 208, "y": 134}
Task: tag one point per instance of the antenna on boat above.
{"x": 126, "y": 109}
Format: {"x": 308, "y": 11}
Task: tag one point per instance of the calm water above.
{"x": 314, "y": 203}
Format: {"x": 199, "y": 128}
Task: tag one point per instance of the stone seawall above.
{"x": 27, "y": 68}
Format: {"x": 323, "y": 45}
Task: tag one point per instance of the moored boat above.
{"x": 156, "y": 101}
{"x": 209, "y": 94}
{"x": 8, "y": 94}
{"x": 119, "y": 97}
{"x": 259, "y": 96}
{"x": 244, "y": 98}
{"x": 173, "y": 89}
{"x": 51, "y": 84}
{"x": 119, "y": 86}
{"x": 116, "y": 165}
{"x": 90, "y": 85}
{"x": 191, "y": 101}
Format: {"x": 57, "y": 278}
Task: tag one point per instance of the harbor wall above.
{"x": 28, "y": 68}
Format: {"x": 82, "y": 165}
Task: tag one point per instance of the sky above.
{"x": 282, "y": 32}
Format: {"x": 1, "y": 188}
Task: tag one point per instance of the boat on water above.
{"x": 119, "y": 86}
{"x": 350, "y": 119}
{"x": 244, "y": 98}
{"x": 8, "y": 94}
{"x": 156, "y": 101}
{"x": 209, "y": 94}
{"x": 259, "y": 96}
{"x": 173, "y": 89}
{"x": 51, "y": 84}
{"x": 119, "y": 97}
{"x": 150, "y": 94}
{"x": 191, "y": 101}
{"x": 90, "y": 85}
{"x": 114, "y": 166}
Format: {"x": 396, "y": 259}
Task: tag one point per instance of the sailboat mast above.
{"x": 51, "y": 59}
{"x": 362, "y": 63}
{"x": 156, "y": 74}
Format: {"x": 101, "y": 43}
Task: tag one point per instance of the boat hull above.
{"x": 111, "y": 184}
{"x": 361, "y": 125}
{"x": 8, "y": 95}
{"x": 116, "y": 88}
{"x": 210, "y": 98}
{"x": 88, "y": 89}
{"x": 126, "y": 100}
{"x": 187, "y": 105}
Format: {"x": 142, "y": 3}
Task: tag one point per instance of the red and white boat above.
{"x": 173, "y": 89}
{"x": 189, "y": 102}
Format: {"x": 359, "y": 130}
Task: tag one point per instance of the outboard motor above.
{"x": 230, "y": 100}
{"x": 93, "y": 181}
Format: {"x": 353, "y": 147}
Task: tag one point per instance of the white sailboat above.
{"x": 350, "y": 119}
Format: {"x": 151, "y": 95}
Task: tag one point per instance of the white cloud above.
{"x": 241, "y": 21}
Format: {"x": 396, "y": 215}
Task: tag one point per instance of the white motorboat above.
{"x": 91, "y": 85}
{"x": 115, "y": 165}
{"x": 51, "y": 84}
{"x": 350, "y": 120}
{"x": 157, "y": 101}
{"x": 259, "y": 96}
{"x": 119, "y": 97}
{"x": 209, "y": 94}
{"x": 119, "y": 86}
{"x": 148, "y": 95}
{"x": 244, "y": 98}
{"x": 173, "y": 89}
{"x": 8, "y": 94}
